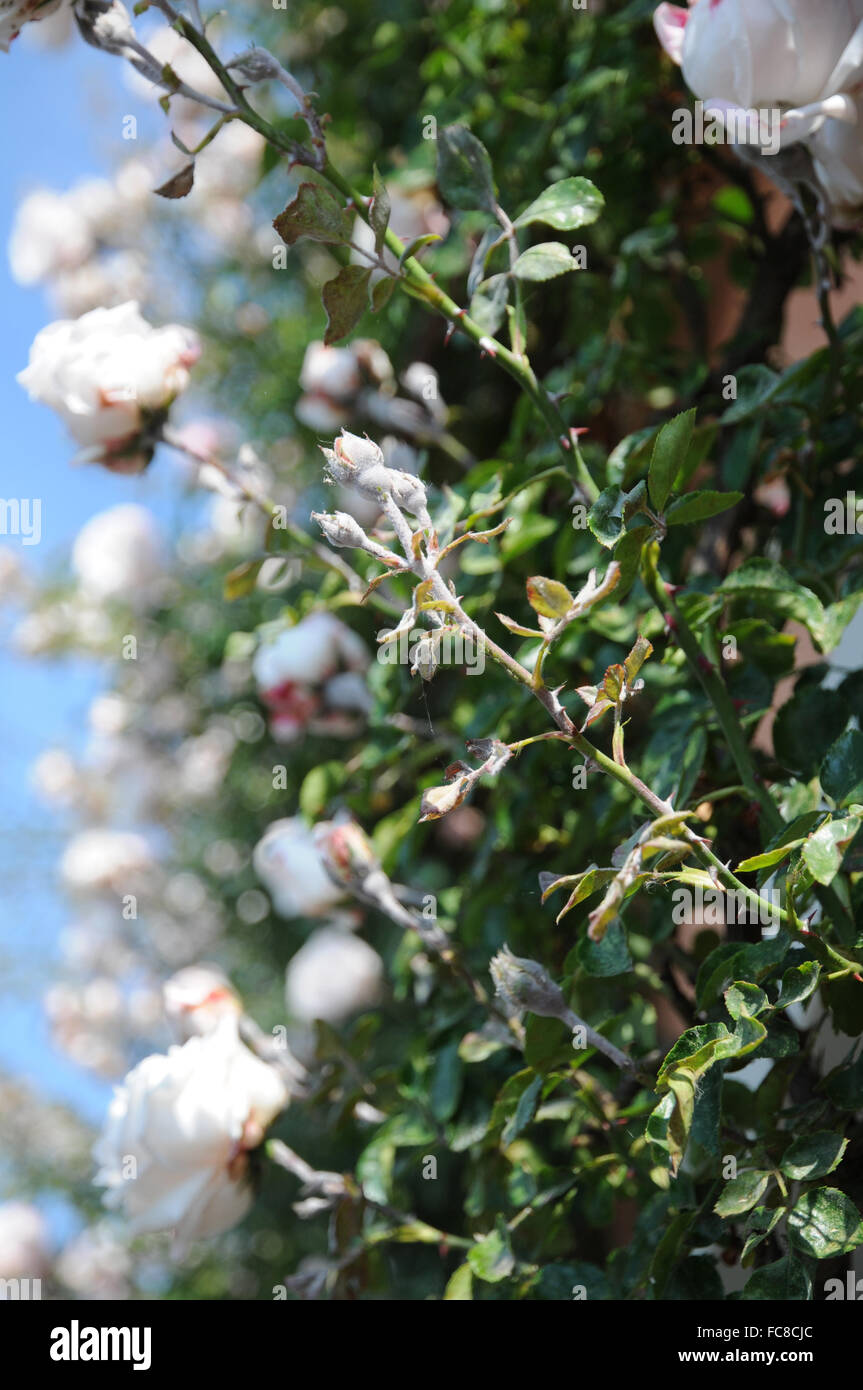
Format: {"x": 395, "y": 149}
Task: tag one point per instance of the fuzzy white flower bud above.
{"x": 525, "y": 985}
{"x": 341, "y": 530}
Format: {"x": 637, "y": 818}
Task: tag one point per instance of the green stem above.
{"x": 715, "y": 689}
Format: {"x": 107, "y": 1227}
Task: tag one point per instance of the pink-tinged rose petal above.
{"x": 669, "y": 21}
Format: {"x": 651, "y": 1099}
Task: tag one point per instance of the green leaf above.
{"x": 798, "y": 983}
{"x": 607, "y": 957}
{"x": 379, "y": 210}
{"x": 525, "y": 1111}
{"x": 744, "y": 1000}
{"x": 464, "y": 173}
{"x": 698, "y": 506}
{"x": 446, "y": 1082}
{"x": 806, "y": 726}
{"x": 742, "y": 1192}
{"x": 824, "y": 1222}
{"x": 459, "y": 1287}
{"x": 417, "y": 245}
{"x": 772, "y": 588}
{"x": 770, "y": 857}
{"x": 488, "y": 303}
{"x": 627, "y": 553}
{"x": 668, "y": 1251}
{"x": 668, "y": 457}
{"x": 605, "y": 517}
{"x": 492, "y": 1259}
{"x": 842, "y": 769}
{"x": 759, "y": 1225}
{"x": 566, "y": 205}
{"x": 544, "y": 262}
{"x": 381, "y": 293}
{"x": 844, "y": 1086}
{"x": 345, "y": 299}
{"x": 479, "y": 262}
{"x": 548, "y": 597}
{"x": 784, "y": 1281}
{"x": 318, "y": 786}
{"x": 813, "y": 1156}
{"x": 825, "y": 847}
{"x": 641, "y": 650}
{"x": 692, "y": 1055}
{"x": 241, "y": 581}
{"x": 317, "y": 214}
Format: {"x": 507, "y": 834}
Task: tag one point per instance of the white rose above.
{"x": 184, "y": 1123}
{"x": 197, "y": 998}
{"x": 289, "y": 865}
{"x": 333, "y": 976}
{"x": 23, "y": 1241}
{"x": 803, "y": 58}
{"x": 105, "y": 372}
{"x": 106, "y": 860}
{"x": 308, "y": 653}
{"x": 117, "y": 554}
{"x": 14, "y": 14}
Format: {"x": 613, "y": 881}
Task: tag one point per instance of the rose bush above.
{"x": 556, "y": 951}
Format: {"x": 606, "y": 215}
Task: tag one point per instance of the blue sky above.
{"x": 58, "y": 111}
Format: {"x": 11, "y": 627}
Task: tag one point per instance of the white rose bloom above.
{"x": 14, "y": 14}
{"x": 187, "y": 1121}
{"x": 308, "y": 653}
{"x": 106, "y": 860}
{"x": 49, "y": 235}
{"x": 118, "y": 553}
{"x": 333, "y": 976}
{"x": 103, "y": 372}
{"x": 804, "y": 58}
{"x": 23, "y": 1241}
{"x": 289, "y": 865}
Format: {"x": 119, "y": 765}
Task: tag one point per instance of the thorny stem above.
{"x": 414, "y": 275}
